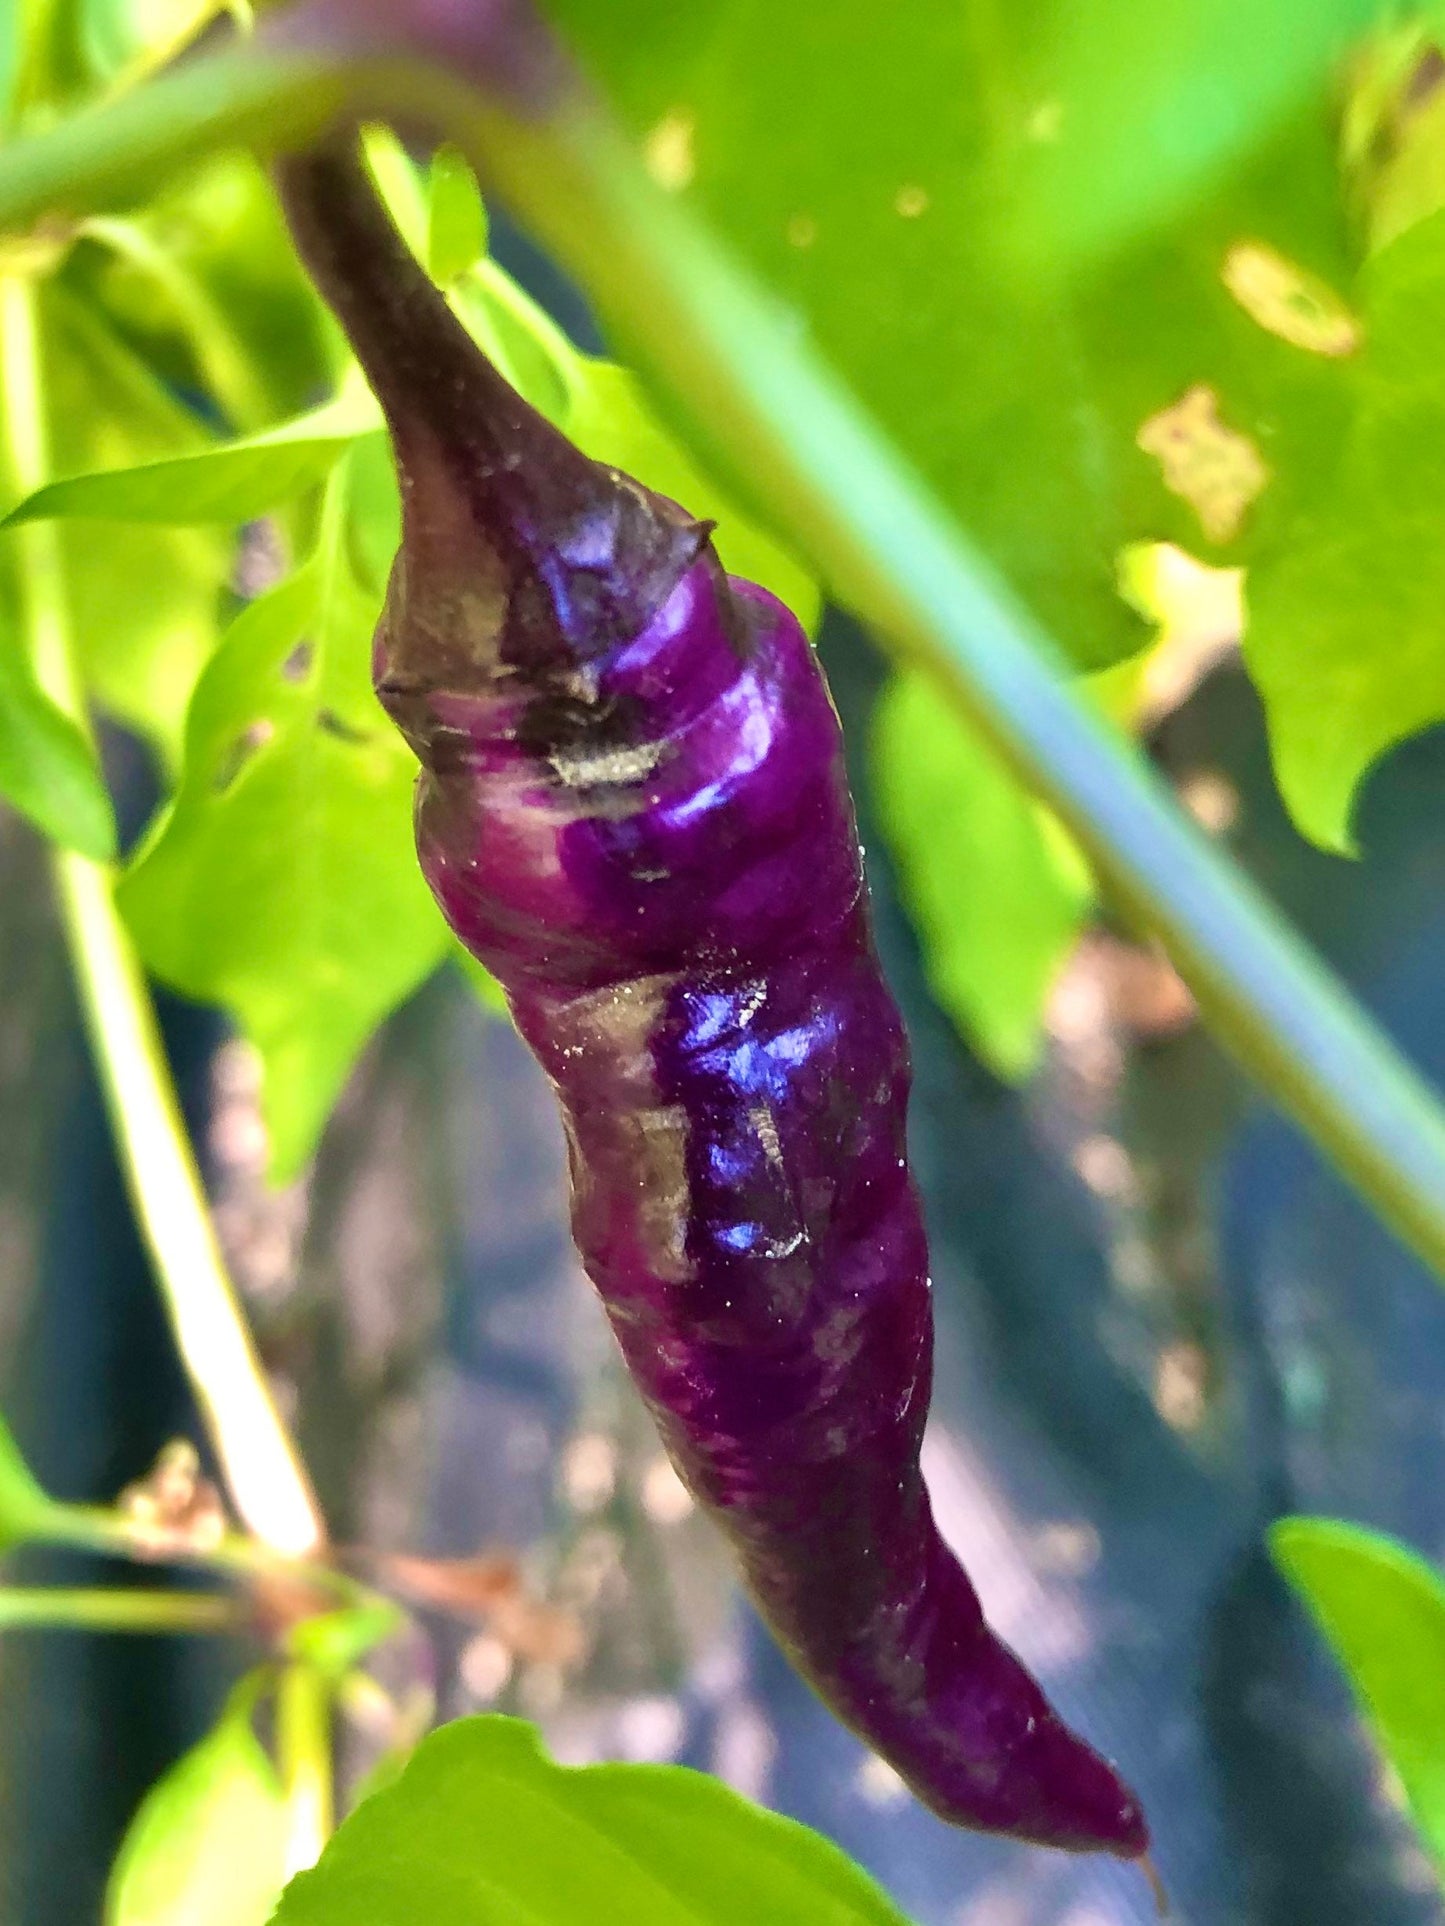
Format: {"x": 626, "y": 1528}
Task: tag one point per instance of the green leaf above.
{"x": 1392, "y": 134}
{"x": 282, "y": 882}
{"x": 483, "y": 1827}
{"x": 1196, "y": 84}
{"x": 29, "y": 56}
{"x": 229, "y": 484}
{"x": 1343, "y": 637}
{"x": 456, "y": 230}
{"x": 114, "y": 32}
{"x": 144, "y": 603}
{"x": 208, "y": 1845}
{"x": 998, "y": 891}
{"x": 532, "y": 352}
{"x": 373, "y": 529}
{"x": 217, "y": 229}
{"x": 48, "y": 769}
{"x": 871, "y": 178}
{"x": 23, "y": 1505}
{"x": 1382, "y": 1609}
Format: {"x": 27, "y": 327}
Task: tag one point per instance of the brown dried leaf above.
{"x": 174, "y": 1508}
{"x": 488, "y": 1587}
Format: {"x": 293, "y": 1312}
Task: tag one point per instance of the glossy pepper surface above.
{"x": 632, "y": 809}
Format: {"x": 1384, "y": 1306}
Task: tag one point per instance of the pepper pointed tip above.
{"x": 1080, "y": 1802}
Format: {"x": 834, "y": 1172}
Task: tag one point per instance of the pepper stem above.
{"x": 519, "y": 549}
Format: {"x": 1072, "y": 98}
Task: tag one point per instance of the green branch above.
{"x": 261, "y": 1466}
{"x": 63, "y": 1608}
{"x": 761, "y": 404}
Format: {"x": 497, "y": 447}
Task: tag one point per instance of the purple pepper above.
{"x": 632, "y": 809}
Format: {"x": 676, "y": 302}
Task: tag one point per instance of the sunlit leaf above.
{"x": 114, "y": 32}
{"x": 12, "y": 54}
{"x": 1134, "y": 108}
{"x": 282, "y": 883}
{"x": 1393, "y": 132}
{"x": 218, "y": 228}
{"x": 207, "y": 1847}
{"x": 373, "y": 529}
{"x": 232, "y": 483}
{"x": 483, "y": 1827}
{"x": 144, "y": 602}
{"x": 1382, "y": 1608}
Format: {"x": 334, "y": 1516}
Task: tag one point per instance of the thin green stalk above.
{"x": 735, "y": 366}
{"x": 43, "y": 1607}
{"x": 226, "y": 366}
{"x": 262, "y": 1469}
{"x": 303, "y": 1756}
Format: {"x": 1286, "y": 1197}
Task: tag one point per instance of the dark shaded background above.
{"x": 1161, "y": 1325}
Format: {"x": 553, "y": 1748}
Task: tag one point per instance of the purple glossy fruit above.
{"x": 632, "y": 808}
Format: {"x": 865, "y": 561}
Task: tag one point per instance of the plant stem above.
{"x": 99, "y": 1610}
{"x": 737, "y": 369}
{"x": 260, "y": 1463}
{"x": 303, "y": 1754}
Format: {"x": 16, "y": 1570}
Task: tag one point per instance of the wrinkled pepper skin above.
{"x": 632, "y": 808}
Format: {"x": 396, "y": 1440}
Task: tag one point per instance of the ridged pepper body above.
{"x": 632, "y": 808}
